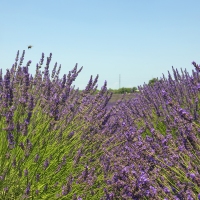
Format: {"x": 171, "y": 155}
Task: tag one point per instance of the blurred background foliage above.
{"x": 124, "y": 90}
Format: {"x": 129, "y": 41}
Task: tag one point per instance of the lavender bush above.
{"x": 61, "y": 143}
{"x": 154, "y": 152}
{"x": 46, "y": 130}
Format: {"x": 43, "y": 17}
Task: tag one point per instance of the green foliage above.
{"x": 123, "y": 90}
{"x": 152, "y": 81}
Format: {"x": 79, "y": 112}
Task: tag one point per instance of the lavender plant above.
{"x": 154, "y": 150}
{"x": 61, "y": 143}
{"x": 45, "y": 127}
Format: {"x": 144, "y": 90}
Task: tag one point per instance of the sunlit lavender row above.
{"x": 61, "y": 143}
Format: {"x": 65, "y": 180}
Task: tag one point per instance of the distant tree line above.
{"x": 129, "y": 90}
{"x": 133, "y": 89}
{"x": 123, "y": 90}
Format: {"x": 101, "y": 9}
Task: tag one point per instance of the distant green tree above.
{"x": 134, "y": 89}
{"x": 112, "y": 90}
{"x": 152, "y": 81}
{"x": 118, "y": 91}
{"x": 124, "y": 90}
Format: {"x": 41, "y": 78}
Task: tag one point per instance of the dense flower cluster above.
{"x": 44, "y": 125}
{"x": 61, "y": 143}
{"x": 154, "y": 151}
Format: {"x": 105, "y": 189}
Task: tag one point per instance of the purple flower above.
{"x": 46, "y": 163}
{"x": 166, "y": 190}
{"x": 115, "y": 178}
{"x": 36, "y": 158}
{"x": 106, "y": 119}
{"x": 164, "y": 93}
{"x": 22, "y": 58}
{"x": 7, "y": 80}
{"x": 181, "y": 148}
{"x": 54, "y": 70}
{"x": 42, "y": 59}
{"x": 64, "y": 191}
{"x": 28, "y": 63}
{"x": 36, "y": 192}
{"x": 71, "y": 134}
{"x": 85, "y": 173}
{"x": 143, "y": 179}
{"x": 37, "y": 177}
{"x": 149, "y": 139}
{"x": 95, "y": 80}
{"x": 152, "y": 130}
{"x": 22, "y": 145}
{"x": 153, "y": 189}
{"x": 185, "y": 114}
{"x": 10, "y": 138}
{"x": 89, "y": 85}
{"x": 26, "y": 172}
{"x": 30, "y": 106}
{"x": 197, "y": 67}
{"x": 164, "y": 142}
{"x": 176, "y": 198}
{"x": 198, "y": 86}
{"x": 63, "y": 81}
{"x": 17, "y": 56}
{"x": 6, "y": 189}
{"x": 64, "y": 158}
{"x": 27, "y": 190}
{"x": 28, "y": 144}
{"x": 192, "y": 175}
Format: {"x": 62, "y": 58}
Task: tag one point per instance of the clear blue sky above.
{"x": 138, "y": 39}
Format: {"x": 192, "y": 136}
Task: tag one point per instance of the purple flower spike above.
{"x": 7, "y": 80}
{"x": 28, "y": 63}
{"x": 197, "y": 67}
{"x": 192, "y": 175}
{"x": 17, "y": 56}
{"x": 143, "y": 179}
{"x": 184, "y": 114}
{"x": 71, "y": 134}
{"x": 123, "y": 124}
{"x": 198, "y": 86}
{"x": 36, "y": 158}
{"x": 10, "y": 138}
{"x": 22, "y": 58}
{"x": 154, "y": 190}
{"x": 37, "y": 192}
{"x": 164, "y": 93}
{"x": 27, "y": 190}
{"x": 42, "y": 59}
{"x": 6, "y": 189}
{"x": 46, "y": 163}
{"x": 37, "y": 177}
{"x": 26, "y": 172}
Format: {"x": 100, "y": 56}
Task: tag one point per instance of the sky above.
{"x": 125, "y": 42}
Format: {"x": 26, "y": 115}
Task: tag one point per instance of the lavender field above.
{"x": 61, "y": 143}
